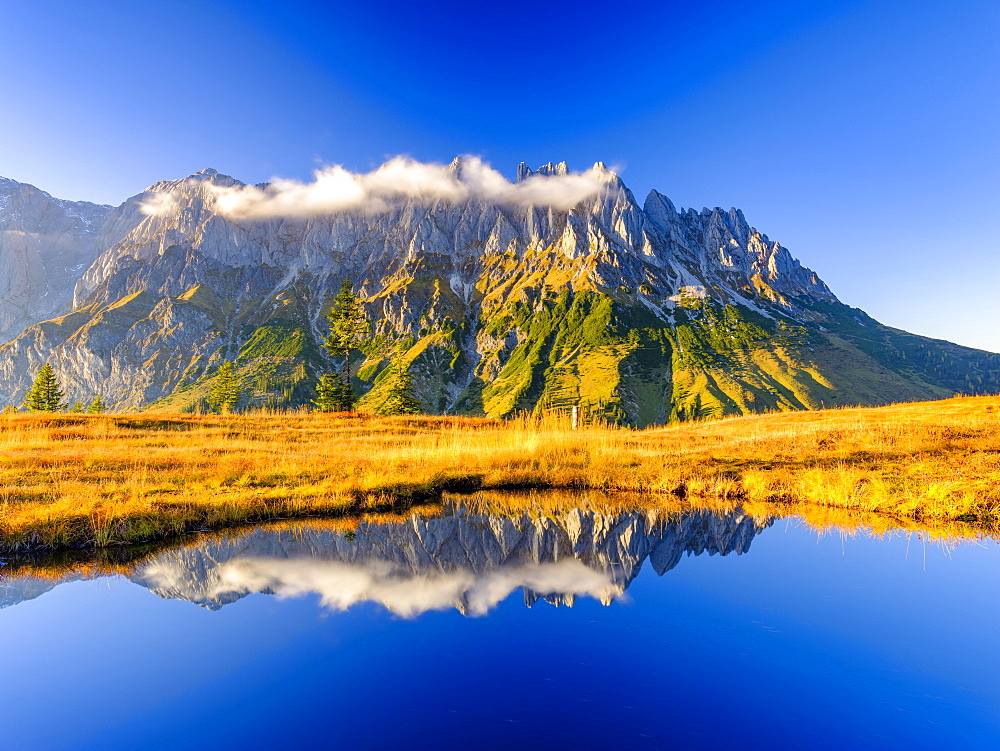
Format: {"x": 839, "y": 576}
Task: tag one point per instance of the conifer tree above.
{"x": 349, "y": 329}
{"x": 227, "y": 391}
{"x": 402, "y": 396}
{"x": 96, "y": 407}
{"x": 45, "y": 394}
{"x": 332, "y": 394}
{"x": 77, "y": 407}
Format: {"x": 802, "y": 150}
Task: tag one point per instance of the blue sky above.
{"x": 861, "y": 135}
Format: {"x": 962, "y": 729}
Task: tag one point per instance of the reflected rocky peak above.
{"x": 469, "y": 561}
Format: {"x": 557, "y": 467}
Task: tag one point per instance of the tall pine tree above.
{"x": 45, "y": 394}
{"x": 349, "y": 329}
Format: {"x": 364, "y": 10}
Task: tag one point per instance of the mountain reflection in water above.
{"x": 469, "y": 561}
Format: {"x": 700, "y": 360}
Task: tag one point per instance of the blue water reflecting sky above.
{"x": 804, "y": 641}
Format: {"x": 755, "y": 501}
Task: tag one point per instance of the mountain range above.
{"x": 497, "y": 302}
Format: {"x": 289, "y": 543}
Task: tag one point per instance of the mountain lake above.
{"x": 580, "y": 628}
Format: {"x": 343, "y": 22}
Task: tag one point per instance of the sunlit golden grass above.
{"x": 81, "y": 480}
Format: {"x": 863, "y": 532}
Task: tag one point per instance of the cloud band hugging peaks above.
{"x": 335, "y": 189}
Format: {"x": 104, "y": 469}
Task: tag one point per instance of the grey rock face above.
{"x": 45, "y": 246}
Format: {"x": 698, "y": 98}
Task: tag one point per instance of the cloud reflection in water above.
{"x": 341, "y": 585}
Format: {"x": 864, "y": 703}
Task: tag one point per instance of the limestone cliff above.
{"x": 639, "y": 313}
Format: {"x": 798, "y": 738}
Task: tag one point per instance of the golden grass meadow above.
{"x": 95, "y": 481}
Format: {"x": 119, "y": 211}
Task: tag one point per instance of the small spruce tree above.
{"x": 77, "y": 407}
{"x": 45, "y": 394}
{"x": 96, "y": 407}
{"x": 402, "y": 396}
{"x": 332, "y": 394}
{"x": 227, "y": 391}
{"x": 349, "y": 330}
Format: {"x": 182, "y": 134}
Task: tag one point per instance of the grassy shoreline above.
{"x": 94, "y": 562}
{"x": 95, "y": 481}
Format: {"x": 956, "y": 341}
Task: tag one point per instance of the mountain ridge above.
{"x": 642, "y": 314}
{"x": 44, "y": 241}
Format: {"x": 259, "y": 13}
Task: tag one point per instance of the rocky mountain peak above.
{"x": 536, "y": 295}
{"x": 553, "y": 169}
{"x": 193, "y": 183}
{"x": 455, "y": 167}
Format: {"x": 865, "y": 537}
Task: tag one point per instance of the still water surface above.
{"x": 579, "y": 629}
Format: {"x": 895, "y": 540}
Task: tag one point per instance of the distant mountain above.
{"x": 641, "y": 314}
{"x": 45, "y": 246}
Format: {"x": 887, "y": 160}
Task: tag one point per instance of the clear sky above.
{"x": 864, "y": 136}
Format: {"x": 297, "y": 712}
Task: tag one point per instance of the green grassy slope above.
{"x": 602, "y": 350}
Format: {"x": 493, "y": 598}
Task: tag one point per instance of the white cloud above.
{"x": 335, "y": 189}
{"x": 157, "y": 204}
{"x": 341, "y": 585}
